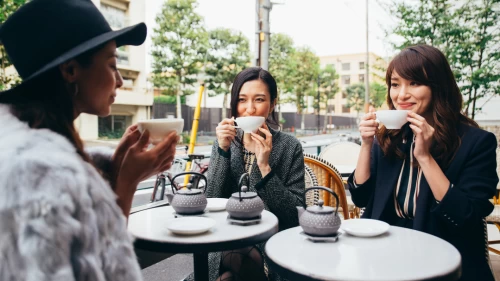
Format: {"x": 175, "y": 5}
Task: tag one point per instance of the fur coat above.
{"x": 58, "y": 217}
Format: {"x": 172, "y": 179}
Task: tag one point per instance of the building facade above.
{"x": 134, "y": 99}
{"x": 351, "y": 69}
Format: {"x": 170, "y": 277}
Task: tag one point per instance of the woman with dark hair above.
{"x": 63, "y": 211}
{"x": 437, "y": 173}
{"x": 274, "y": 161}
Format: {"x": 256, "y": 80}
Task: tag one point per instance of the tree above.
{"x": 305, "y": 75}
{"x": 467, "y": 32}
{"x": 378, "y": 94}
{"x": 7, "y": 7}
{"x": 282, "y": 65}
{"x": 476, "y": 52}
{"x": 355, "y": 96}
{"x": 179, "y": 45}
{"x": 328, "y": 87}
{"x": 229, "y": 53}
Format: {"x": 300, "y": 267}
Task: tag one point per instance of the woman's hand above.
{"x": 424, "y": 134}
{"x": 225, "y": 133}
{"x": 263, "y": 148}
{"x": 130, "y": 137}
{"x": 368, "y": 127}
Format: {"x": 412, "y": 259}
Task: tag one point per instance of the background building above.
{"x": 134, "y": 100}
{"x": 351, "y": 70}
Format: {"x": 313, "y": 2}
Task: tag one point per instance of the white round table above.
{"x": 150, "y": 231}
{"x": 399, "y": 254}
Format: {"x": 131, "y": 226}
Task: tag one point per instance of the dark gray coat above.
{"x": 281, "y": 190}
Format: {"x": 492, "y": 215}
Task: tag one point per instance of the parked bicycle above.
{"x": 179, "y": 166}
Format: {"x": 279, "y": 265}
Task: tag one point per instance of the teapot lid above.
{"x": 189, "y": 190}
{"x": 245, "y": 194}
{"x": 319, "y": 209}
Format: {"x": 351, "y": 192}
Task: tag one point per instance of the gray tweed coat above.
{"x": 281, "y": 190}
{"x": 58, "y": 216}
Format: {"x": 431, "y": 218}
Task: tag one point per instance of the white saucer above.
{"x": 216, "y": 204}
{"x": 364, "y": 227}
{"x": 190, "y": 225}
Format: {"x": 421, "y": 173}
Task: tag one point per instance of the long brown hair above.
{"x": 48, "y": 103}
{"x": 428, "y": 66}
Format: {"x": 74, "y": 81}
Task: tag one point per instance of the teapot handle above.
{"x": 190, "y": 173}
{"x": 245, "y": 175}
{"x": 325, "y": 189}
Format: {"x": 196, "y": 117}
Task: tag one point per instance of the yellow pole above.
{"x": 194, "y": 130}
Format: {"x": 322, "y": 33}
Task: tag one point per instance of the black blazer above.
{"x": 459, "y": 217}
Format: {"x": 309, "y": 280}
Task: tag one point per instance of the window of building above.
{"x": 346, "y": 79}
{"x": 113, "y": 126}
{"x": 344, "y": 95}
{"x": 116, "y": 17}
{"x": 122, "y": 55}
{"x": 361, "y": 65}
{"x": 346, "y": 66}
{"x": 346, "y": 109}
{"x": 361, "y": 78}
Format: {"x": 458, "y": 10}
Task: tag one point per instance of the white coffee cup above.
{"x": 160, "y": 128}
{"x": 392, "y": 119}
{"x": 250, "y": 124}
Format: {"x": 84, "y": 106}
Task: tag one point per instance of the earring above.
{"x": 75, "y": 91}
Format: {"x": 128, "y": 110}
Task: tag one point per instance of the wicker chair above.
{"x": 329, "y": 177}
{"x": 312, "y": 196}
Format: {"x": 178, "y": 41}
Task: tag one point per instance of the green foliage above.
{"x": 355, "y": 96}
{"x": 108, "y": 134}
{"x": 304, "y": 78}
{"x": 328, "y": 85}
{"x": 229, "y": 53}
{"x": 7, "y": 7}
{"x": 179, "y": 45}
{"x": 282, "y": 64}
{"x": 467, "y": 32}
{"x": 378, "y": 94}
{"x": 169, "y": 99}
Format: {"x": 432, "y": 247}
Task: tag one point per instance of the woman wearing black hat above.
{"x": 59, "y": 218}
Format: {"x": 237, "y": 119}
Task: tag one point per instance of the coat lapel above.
{"x": 386, "y": 184}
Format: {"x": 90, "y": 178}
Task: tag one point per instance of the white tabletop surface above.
{"x": 345, "y": 169}
{"x": 151, "y": 226}
{"x": 399, "y": 254}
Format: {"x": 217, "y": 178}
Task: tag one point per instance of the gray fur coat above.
{"x": 58, "y": 216}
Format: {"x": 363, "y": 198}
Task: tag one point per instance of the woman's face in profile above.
{"x": 254, "y": 99}
{"x": 409, "y": 95}
{"x": 97, "y": 83}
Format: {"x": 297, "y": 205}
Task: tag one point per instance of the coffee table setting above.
{"x": 327, "y": 248}
{"x": 194, "y": 224}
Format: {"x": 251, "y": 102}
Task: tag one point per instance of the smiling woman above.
{"x": 437, "y": 173}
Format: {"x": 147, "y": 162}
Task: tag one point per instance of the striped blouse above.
{"x": 408, "y": 185}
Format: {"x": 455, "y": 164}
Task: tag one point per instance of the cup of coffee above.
{"x": 160, "y": 128}
{"x": 249, "y": 124}
{"x": 392, "y": 119}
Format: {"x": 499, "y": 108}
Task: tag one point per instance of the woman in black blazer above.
{"x": 437, "y": 173}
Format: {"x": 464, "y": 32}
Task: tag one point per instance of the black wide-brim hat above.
{"x": 42, "y": 34}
